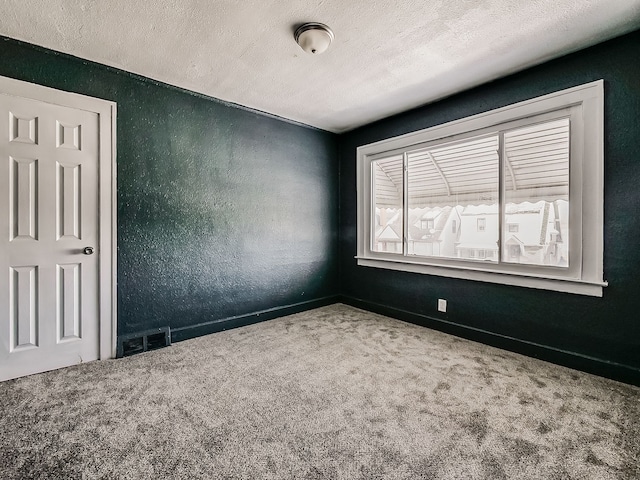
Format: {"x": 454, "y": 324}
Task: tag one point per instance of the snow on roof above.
{"x": 525, "y": 207}
{"x": 389, "y": 233}
{"x": 479, "y": 246}
{"x": 480, "y": 210}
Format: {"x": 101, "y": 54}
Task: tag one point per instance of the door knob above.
{"x": 87, "y": 250}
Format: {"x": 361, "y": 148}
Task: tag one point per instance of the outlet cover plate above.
{"x": 442, "y": 305}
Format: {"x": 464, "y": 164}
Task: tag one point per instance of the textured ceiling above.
{"x": 388, "y": 56}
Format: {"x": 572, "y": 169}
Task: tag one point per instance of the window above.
{"x": 426, "y": 224}
{"x": 509, "y": 196}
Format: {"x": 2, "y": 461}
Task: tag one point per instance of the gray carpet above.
{"x": 333, "y": 393}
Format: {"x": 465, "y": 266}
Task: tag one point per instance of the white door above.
{"x": 49, "y": 211}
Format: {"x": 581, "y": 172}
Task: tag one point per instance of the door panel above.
{"x": 23, "y": 308}
{"x": 49, "y": 212}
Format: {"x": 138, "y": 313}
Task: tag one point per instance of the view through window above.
{"x": 458, "y": 184}
{"x": 513, "y": 196}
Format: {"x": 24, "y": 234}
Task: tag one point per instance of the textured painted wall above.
{"x": 222, "y": 212}
{"x": 605, "y": 328}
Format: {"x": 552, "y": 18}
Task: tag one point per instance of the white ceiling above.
{"x": 387, "y": 56}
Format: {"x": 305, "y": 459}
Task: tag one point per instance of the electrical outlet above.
{"x": 442, "y": 305}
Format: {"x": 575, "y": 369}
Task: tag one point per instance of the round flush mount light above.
{"x": 313, "y": 38}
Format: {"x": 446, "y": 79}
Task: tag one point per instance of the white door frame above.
{"x": 107, "y": 277}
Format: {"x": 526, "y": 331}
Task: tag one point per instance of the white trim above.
{"x": 114, "y": 239}
{"x": 106, "y": 111}
{"x": 585, "y": 107}
{"x": 511, "y": 278}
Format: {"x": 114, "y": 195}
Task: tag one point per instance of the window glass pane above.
{"x": 536, "y": 175}
{"x": 388, "y": 196}
{"x": 453, "y": 200}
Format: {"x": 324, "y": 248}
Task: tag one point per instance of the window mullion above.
{"x": 501, "y": 195}
{"x": 372, "y": 206}
{"x": 405, "y": 204}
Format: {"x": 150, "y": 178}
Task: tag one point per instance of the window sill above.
{"x": 579, "y": 287}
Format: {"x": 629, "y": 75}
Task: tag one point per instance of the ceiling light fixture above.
{"x": 313, "y": 38}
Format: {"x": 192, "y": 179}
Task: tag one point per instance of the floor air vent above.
{"x": 143, "y": 341}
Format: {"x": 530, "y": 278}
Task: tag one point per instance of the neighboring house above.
{"x": 535, "y": 233}
{"x": 561, "y": 225}
{"x": 432, "y": 231}
{"x": 388, "y": 229}
{"x": 479, "y": 233}
{"x": 435, "y": 231}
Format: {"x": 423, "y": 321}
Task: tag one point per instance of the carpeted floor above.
{"x": 334, "y": 393}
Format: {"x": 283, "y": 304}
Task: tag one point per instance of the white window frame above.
{"x": 107, "y": 247}
{"x": 584, "y": 105}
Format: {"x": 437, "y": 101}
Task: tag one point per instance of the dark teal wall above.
{"x": 539, "y": 322}
{"x": 222, "y": 212}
